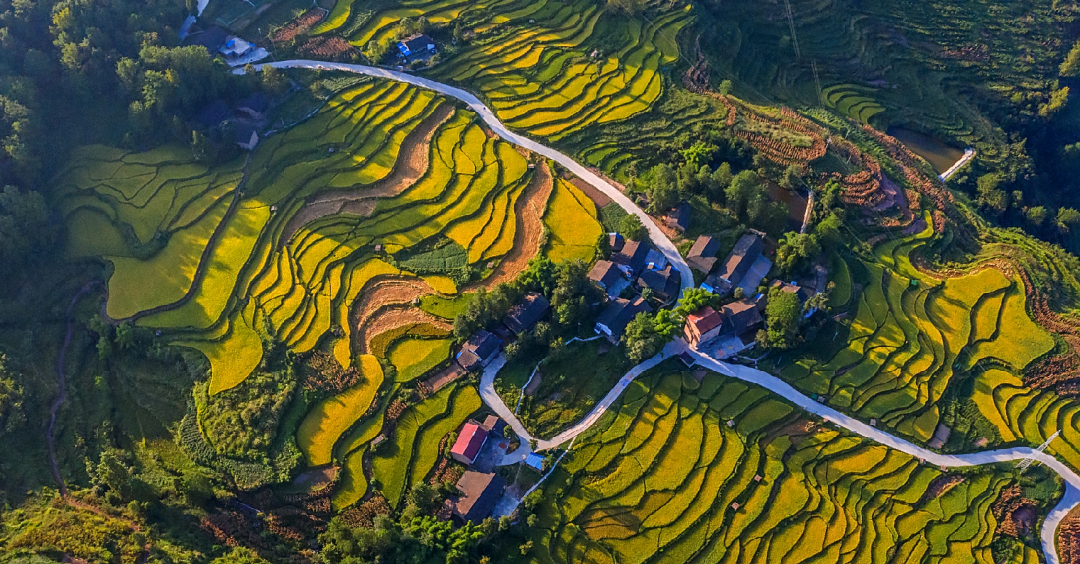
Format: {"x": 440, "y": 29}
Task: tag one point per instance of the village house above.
{"x": 609, "y": 277}
{"x": 524, "y": 315}
{"x": 744, "y": 257}
{"x": 617, "y": 315}
{"x": 418, "y": 46}
{"x": 615, "y": 242}
{"x": 247, "y": 135}
{"x": 235, "y": 48}
{"x": 632, "y": 256}
{"x": 702, "y": 256}
{"x": 493, "y": 425}
{"x": 481, "y": 348}
{"x": 703, "y": 326}
{"x": 792, "y": 288}
{"x": 664, "y": 283}
{"x": 535, "y": 461}
{"x": 678, "y": 218}
{"x": 469, "y": 443}
{"x": 743, "y": 316}
{"x": 479, "y": 494}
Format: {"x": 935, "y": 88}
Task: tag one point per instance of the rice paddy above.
{"x": 718, "y": 471}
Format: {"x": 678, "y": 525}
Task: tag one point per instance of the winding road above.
{"x": 658, "y": 237}
{"x": 772, "y": 383}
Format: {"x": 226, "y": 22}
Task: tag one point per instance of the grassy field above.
{"x": 565, "y": 393}
{"x": 681, "y": 471}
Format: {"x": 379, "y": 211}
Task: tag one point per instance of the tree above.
{"x": 725, "y": 87}
{"x": 1070, "y": 67}
{"x": 25, "y": 228}
{"x": 662, "y": 187}
{"x": 632, "y": 228}
{"x": 782, "y": 315}
{"x": 11, "y": 399}
{"x": 240, "y": 555}
{"x": 1036, "y": 215}
{"x": 738, "y": 193}
{"x": 694, "y": 299}
{"x": 642, "y": 339}
{"x": 1067, "y": 218}
{"x": 793, "y": 177}
{"x": 795, "y": 251}
{"x": 990, "y": 196}
{"x": 698, "y": 154}
{"x": 202, "y": 150}
{"x": 1058, "y": 99}
{"x": 274, "y": 81}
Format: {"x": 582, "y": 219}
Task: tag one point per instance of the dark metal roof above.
{"x": 479, "y": 494}
{"x": 524, "y": 315}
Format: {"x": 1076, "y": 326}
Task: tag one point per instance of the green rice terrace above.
{"x": 958, "y": 353}
{"x": 704, "y": 469}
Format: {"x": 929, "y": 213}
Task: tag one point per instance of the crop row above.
{"x": 717, "y": 471}
{"x": 912, "y": 334}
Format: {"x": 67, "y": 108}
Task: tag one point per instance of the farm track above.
{"x": 529, "y": 214}
{"x": 61, "y": 382}
{"x": 412, "y": 163}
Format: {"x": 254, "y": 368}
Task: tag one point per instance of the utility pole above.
{"x": 817, "y": 80}
{"x": 791, "y": 23}
{"x": 1023, "y": 465}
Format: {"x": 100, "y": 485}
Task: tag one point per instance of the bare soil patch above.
{"x": 529, "y": 228}
{"x": 599, "y": 198}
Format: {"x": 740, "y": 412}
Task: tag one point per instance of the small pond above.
{"x": 940, "y": 155}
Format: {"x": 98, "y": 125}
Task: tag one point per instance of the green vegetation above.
{"x": 414, "y": 358}
{"x": 566, "y": 393}
{"x": 912, "y": 337}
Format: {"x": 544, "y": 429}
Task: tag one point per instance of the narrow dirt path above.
{"x": 61, "y": 382}
{"x": 528, "y": 229}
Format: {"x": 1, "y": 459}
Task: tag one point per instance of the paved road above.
{"x": 658, "y": 237}
{"x": 768, "y": 381}
{"x": 778, "y": 386}
{"x": 968, "y": 155}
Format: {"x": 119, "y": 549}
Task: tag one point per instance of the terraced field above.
{"x": 335, "y": 235}
{"x": 720, "y": 471}
{"x": 546, "y": 68}
{"x": 915, "y": 339}
{"x": 284, "y": 260}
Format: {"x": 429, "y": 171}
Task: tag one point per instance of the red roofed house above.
{"x": 469, "y": 442}
{"x": 703, "y": 326}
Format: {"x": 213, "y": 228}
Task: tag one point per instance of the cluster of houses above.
{"x": 483, "y": 346}
{"x": 632, "y": 268}
{"x": 480, "y": 487}
{"x": 732, "y": 329}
